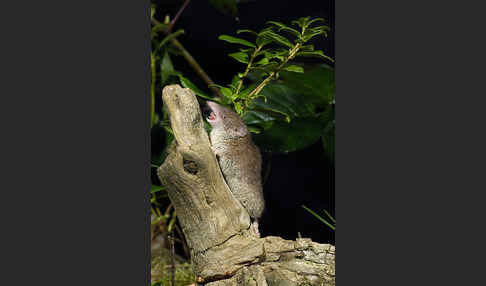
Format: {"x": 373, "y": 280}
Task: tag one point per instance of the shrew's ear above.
{"x": 242, "y": 131}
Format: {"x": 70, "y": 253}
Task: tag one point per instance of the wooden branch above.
{"x": 224, "y": 249}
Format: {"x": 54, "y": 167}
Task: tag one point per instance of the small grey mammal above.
{"x": 239, "y": 159}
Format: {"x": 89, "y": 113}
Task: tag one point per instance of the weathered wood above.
{"x": 224, "y": 249}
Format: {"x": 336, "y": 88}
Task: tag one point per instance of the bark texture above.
{"x": 224, "y": 248}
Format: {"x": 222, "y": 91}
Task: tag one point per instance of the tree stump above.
{"x": 224, "y": 249}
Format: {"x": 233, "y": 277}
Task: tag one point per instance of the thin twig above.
{"x": 172, "y": 254}
{"x": 152, "y": 90}
{"x": 250, "y": 62}
{"x": 197, "y": 68}
{"x": 172, "y": 23}
{"x": 259, "y": 88}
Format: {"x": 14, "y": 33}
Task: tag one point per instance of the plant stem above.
{"x": 169, "y": 29}
{"x": 172, "y": 262}
{"x": 250, "y": 62}
{"x": 152, "y": 90}
{"x": 259, "y": 88}
{"x": 197, "y": 68}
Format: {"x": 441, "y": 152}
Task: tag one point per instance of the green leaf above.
{"x": 188, "y": 84}
{"x": 301, "y": 21}
{"x": 238, "y": 107}
{"x": 155, "y": 189}
{"x": 261, "y": 105}
{"x": 226, "y": 92}
{"x": 152, "y": 12}
{"x": 247, "y": 50}
{"x": 270, "y": 35}
{"x": 313, "y": 21}
{"x": 305, "y": 22}
{"x": 156, "y": 28}
{"x": 215, "y": 85}
{"x": 246, "y": 31}
{"x": 319, "y": 218}
{"x": 276, "y": 54}
{"x": 307, "y": 48}
{"x": 262, "y": 62}
{"x": 315, "y": 86}
{"x": 258, "y": 119}
{"x": 166, "y": 68}
{"x": 317, "y": 53}
{"x": 235, "y": 40}
{"x": 309, "y": 36}
{"x": 234, "y": 83}
{"x": 254, "y": 129}
{"x": 318, "y": 29}
{"x": 278, "y": 24}
{"x": 285, "y": 28}
{"x": 330, "y": 216}
{"x": 285, "y": 101}
{"x": 294, "y": 68}
{"x": 263, "y": 41}
{"x": 295, "y": 98}
{"x": 246, "y": 91}
{"x": 239, "y": 56}
{"x": 285, "y": 137}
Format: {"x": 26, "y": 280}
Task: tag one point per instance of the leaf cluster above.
{"x": 270, "y": 53}
{"x": 286, "y": 107}
{"x": 299, "y": 111}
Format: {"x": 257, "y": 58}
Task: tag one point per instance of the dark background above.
{"x": 75, "y": 128}
{"x": 304, "y": 177}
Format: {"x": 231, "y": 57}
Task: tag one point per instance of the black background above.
{"x": 74, "y": 115}
{"x": 305, "y": 177}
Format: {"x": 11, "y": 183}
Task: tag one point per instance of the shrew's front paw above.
{"x": 255, "y": 228}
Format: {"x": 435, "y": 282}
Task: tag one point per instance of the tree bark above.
{"x": 224, "y": 248}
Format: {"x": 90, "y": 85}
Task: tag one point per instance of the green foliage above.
{"x": 163, "y": 73}
{"x": 235, "y": 40}
{"x": 161, "y": 273}
{"x": 240, "y": 56}
{"x": 298, "y": 110}
{"x": 299, "y": 134}
{"x": 294, "y": 68}
{"x": 188, "y": 84}
{"x": 271, "y": 54}
{"x": 288, "y": 105}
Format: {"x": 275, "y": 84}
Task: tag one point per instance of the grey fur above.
{"x": 239, "y": 159}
